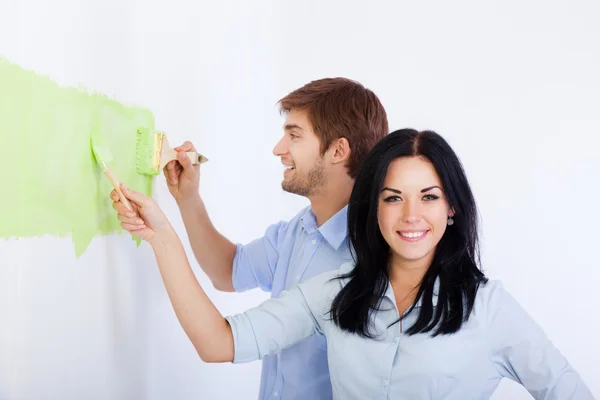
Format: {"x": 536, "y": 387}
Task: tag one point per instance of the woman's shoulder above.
{"x": 333, "y": 277}
{"x": 491, "y": 295}
{"x": 323, "y": 287}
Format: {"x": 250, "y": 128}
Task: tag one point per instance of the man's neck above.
{"x": 331, "y": 199}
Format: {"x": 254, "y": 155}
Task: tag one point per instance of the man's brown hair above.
{"x": 341, "y": 108}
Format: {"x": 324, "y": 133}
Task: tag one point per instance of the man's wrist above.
{"x": 189, "y": 203}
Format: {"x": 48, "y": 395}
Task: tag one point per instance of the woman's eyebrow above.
{"x": 427, "y": 189}
{"x": 391, "y": 190}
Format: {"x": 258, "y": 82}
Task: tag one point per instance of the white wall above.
{"x": 512, "y": 85}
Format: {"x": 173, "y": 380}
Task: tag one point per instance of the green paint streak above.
{"x": 51, "y": 182}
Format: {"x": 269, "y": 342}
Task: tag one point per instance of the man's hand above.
{"x": 183, "y": 178}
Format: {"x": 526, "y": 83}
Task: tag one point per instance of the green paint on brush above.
{"x": 100, "y": 150}
{"x": 145, "y": 149}
{"x": 52, "y": 184}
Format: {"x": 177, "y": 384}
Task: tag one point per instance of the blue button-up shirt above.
{"x": 289, "y": 253}
{"x": 500, "y": 340}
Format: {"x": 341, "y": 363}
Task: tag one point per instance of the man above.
{"x": 330, "y": 126}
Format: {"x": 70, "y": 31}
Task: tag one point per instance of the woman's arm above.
{"x": 521, "y": 351}
{"x": 204, "y": 325}
{"x": 279, "y": 323}
{"x": 266, "y": 329}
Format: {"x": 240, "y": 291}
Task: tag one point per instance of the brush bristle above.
{"x": 146, "y": 152}
{"x": 101, "y": 153}
{"x": 100, "y": 150}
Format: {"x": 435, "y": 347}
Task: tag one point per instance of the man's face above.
{"x": 299, "y": 149}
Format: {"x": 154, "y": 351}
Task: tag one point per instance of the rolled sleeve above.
{"x": 281, "y": 322}
{"x": 254, "y": 264}
{"x": 521, "y": 351}
{"x": 244, "y": 339}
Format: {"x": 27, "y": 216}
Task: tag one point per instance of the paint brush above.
{"x": 153, "y": 152}
{"x": 105, "y": 160}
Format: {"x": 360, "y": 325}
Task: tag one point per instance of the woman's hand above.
{"x": 150, "y": 222}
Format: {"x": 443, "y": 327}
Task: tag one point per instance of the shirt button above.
{"x": 385, "y": 382}
{"x": 276, "y": 394}
{"x": 314, "y": 241}
{"x": 396, "y": 340}
{"x": 297, "y": 277}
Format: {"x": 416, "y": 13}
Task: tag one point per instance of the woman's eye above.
{"x": 430, "y": 197}
{"x": 392, "y": 199}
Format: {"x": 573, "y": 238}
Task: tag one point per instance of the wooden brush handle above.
{"x": 117, "y": 187}
{"x": 196, "y": 158}
{"x": 170, "y": 155}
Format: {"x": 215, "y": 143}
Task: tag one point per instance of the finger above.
{"x": 121, "y": 209}
{"x": 114, "y": 195}
{"x": 167, "y": 171}
{"x": 184, "y": 160}
{"x": 130, "y": 220}
{"x": 187, "y": 146}
{"x": 171, "y": 172}
{"x": 132, "y": 228}
{"x": 178, "y": 169}
{"x": 189, "y": 170}
{"x": 136, "y": 197}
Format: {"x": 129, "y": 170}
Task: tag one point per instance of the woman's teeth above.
{"x": 413, "y": 234}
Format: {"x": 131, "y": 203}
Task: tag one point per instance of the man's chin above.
{"x": 293, "y": 189}
{"x": 287, "y": 187}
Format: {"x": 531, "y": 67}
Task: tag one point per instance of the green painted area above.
{"x": 51, "y": 182}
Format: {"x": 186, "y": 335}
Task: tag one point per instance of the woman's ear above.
{"x": 451, "y": 212}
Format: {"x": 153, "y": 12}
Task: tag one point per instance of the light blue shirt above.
{"x": 289, "y": 253}
{"x": 500, "y": 340}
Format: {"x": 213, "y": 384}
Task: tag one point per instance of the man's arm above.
{"x": 229, "y": 267}
{"x": 213, "y": 251}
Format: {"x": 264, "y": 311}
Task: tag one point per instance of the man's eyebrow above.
{"x": 289, "y": 127}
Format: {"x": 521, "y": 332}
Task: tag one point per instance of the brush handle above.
{"x": 169, "y": 154}
{"x": 117, "y": 187}
{"x": 196, "y": 157}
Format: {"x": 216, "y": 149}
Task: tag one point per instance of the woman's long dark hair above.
{"x": 456, "y": 258}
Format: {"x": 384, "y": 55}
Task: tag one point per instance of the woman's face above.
{"x": 412, "y": 211}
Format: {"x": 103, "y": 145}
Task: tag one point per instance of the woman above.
{"x": 412, "y": 318}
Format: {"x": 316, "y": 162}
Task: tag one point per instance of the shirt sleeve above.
{"x": 279, "y": 323}
{"x": 521, "y": 351}
{"x": 254, "y": 263}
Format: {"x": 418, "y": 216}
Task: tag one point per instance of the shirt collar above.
{"x": 334, "y": 230}
{"x": 389, "y": 292}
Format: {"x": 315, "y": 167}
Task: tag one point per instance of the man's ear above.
{"x": 339, "y": 151}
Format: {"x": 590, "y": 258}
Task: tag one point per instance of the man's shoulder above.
{"x": 289, "y": 225}
{"x": 300, "y": 214}
{"x": 292, "y": 225}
